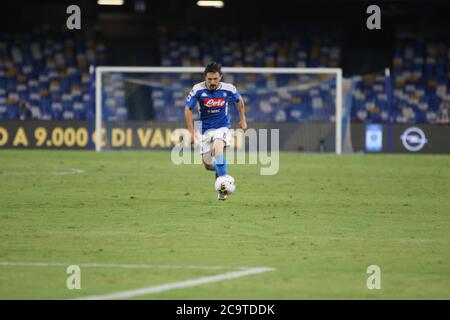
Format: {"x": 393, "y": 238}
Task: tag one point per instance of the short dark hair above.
{"x": 213, "y": 67}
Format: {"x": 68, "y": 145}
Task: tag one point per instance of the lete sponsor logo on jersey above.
{"x": 213, "y": 102}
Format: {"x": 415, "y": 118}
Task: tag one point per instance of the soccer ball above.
{"x": 225, "y": 184}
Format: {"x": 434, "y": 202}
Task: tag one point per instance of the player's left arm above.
{"x": 241, "y": 109}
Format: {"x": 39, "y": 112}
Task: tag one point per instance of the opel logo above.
{"x": 413, "y": 139}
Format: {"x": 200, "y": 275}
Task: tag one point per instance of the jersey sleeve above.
{"x": 235, "y": 94}
{"x": 191, "y": 99}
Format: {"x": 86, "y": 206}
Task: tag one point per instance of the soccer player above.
{"x": 213, "y": 97}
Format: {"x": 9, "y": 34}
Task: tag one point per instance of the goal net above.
{"x": 141, "y": 107}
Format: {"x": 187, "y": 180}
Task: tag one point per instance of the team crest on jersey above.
{"x": 214, "y": 102}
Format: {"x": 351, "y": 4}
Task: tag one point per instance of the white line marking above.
{"x": 69, "y": 171}
{"x": 62, "y": 171}
{"x": 176, "y": 285}
{"x": 119, "y": 266}
{"x": 243, "y": 272}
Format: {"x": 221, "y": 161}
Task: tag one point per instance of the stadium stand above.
{"x": 49, "y": 72}
{"x": 421, "y": 83}
{"x": 268, "y": 97}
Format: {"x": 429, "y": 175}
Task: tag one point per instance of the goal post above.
{"x": 102, "y": 71}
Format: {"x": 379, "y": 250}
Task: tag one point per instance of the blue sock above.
{"x": 220, "y": 164}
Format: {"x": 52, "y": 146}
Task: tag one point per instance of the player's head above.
{"x": 213, "y": 75}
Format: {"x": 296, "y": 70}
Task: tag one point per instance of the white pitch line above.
{"x": 176, "y": 285}
{"x": 243, "y": 271}
{"x": 63, "y": 171}
{"x": 118, "y": 266}
{"x": 69, "y": 171}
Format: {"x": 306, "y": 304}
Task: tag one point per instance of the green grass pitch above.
{"x": 320, "y": 222}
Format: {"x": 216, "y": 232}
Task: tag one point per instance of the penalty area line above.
{"x": 118, "y": 266}
{"x": 60, "y": 172}
{"x": 177, "y": 285}
{"x": 69, "y": 171}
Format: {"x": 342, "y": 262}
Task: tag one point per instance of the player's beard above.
{"x": 212, "y": 87}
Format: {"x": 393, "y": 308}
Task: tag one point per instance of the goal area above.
{"x": 306, "y": 104}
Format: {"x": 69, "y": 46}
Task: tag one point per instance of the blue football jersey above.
{"x": 213, "y": 105}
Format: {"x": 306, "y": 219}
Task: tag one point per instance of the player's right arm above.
{"x": 189, "y": 122}
{"x": 241, "y": 110}
{"x": 191, "y": 101}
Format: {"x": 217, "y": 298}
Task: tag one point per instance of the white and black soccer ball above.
{"x": 225, "y": 184}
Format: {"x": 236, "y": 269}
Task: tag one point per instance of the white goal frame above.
{"x": 103, "y": 69}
